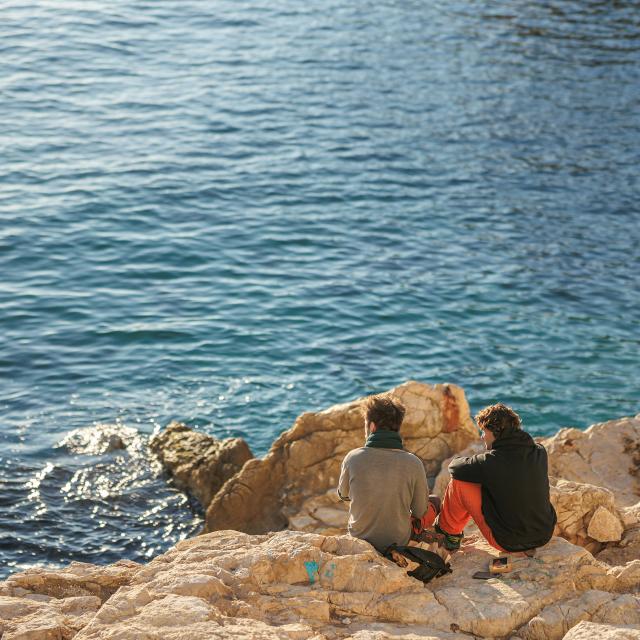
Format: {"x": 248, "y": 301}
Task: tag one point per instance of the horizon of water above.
{"x": 229, "y": 216}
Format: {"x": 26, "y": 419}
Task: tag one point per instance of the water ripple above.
{"x": 229, "y": 215}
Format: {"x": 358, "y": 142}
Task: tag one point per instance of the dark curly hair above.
{"x": 384, "y": 410}
{"x": 498, "y": 418}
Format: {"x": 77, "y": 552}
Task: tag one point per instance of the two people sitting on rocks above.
{"x": 505, "y": 490}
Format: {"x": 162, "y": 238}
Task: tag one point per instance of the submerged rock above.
{"x": 199, "y": 463}
{"x": 102, "y": 438}
{"x": 304, "y": 462}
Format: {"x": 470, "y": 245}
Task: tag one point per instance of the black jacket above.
{"x": 515, "y": 490}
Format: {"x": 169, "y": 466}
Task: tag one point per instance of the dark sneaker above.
{"x": 429, "y": 536}
{"x": 452, "y": 541}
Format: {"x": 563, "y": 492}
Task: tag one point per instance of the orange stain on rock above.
{"x": 450, "y": 411}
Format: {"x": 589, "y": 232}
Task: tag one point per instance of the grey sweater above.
{"x": 385, "y": 487}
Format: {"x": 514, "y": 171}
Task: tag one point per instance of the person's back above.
{"x": 505, "y": 490}
{"x": 515, "y": 490}
{"x": 384, "y": 484}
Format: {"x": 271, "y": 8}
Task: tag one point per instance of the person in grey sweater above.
{"x": 384, "y": 484}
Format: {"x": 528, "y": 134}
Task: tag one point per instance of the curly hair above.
{"x": 384, "y": 410}
{"x": 498, "y": 418}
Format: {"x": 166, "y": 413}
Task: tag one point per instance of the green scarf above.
{"x": 384, "y": 440}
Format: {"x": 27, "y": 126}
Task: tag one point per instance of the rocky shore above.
{"x": 273, "y": 560}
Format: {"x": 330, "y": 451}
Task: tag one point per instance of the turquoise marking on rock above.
{"x": 313, "y": 569}
{"x": 329, "y": 572}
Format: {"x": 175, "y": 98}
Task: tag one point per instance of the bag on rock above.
{"x": 430, "y": 564}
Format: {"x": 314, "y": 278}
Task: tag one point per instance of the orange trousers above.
{"x": 429, "y": 517}
{"x": 462, "y": 502}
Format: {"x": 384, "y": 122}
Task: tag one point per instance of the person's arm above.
{"x": 343, "y": 483}
{"x": 468, "y": 468}
{"x": 420, "y": 499}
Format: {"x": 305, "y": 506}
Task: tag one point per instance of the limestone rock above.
{"x": 593, "y": 631}
{"x": 627, "y": 575}
{"x": 604, "y": 526}
{"x": 78, "y": 579}
{"x": 304, "y": 462}
{"x": 299, "y": 585}
{"x": 627, "y": 550}
{"x": 605, "y": 455}
{"x": 282, "y": 585}
{"x": 198, "y": 462}
{"x": 443, "y": 477}
{"x": 54, "y": 604}
{"x": 576, "y": 505}
{"x": 27, "y": 619}
{"x": 630, "y": 515}
{"x": 553, "y": 622}
{"x": 325, "y": 514}
{"x": 377, "y": 631}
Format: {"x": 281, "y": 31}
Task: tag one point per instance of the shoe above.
{"x": 451, "y": 541}
{"x": 428, "y": 536}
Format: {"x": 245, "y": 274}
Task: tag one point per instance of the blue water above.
{"x": 230, "y": 213}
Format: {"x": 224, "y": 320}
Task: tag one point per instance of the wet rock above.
{"x": 102, "y": 438}
{"x": 304, "y": 462}
{"x": 199, "y": 463}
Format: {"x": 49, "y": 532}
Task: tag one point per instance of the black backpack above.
{"x": 430, "y": 564}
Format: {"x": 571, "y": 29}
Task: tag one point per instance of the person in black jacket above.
{"x": 504, "y": 490}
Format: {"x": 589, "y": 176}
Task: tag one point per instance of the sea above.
{"x": 228, "y": 213}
